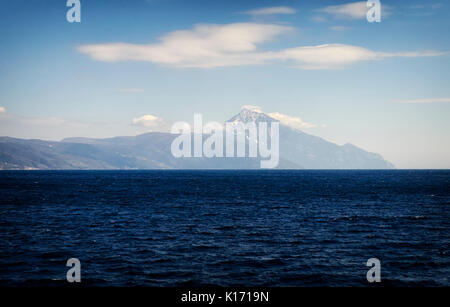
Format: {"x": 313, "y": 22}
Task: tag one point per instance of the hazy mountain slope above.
{"x": 312, "y": 152}
{"x": 37, "y": 154}
{"x": 152, "y": 150}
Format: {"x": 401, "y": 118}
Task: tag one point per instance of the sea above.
{"x": 268, "y": 228}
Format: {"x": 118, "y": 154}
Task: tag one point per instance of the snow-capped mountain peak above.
{"x": 251, "y": 114}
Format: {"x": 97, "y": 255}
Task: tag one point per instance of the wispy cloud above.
{"x": 2, "y": 110}
{"x": 148, "y": 120}
{"x": 291, "y": 121}
{"x": 336, "y": 56}
{"x": 203, "y": 46}
{"x": 252, "y": 108}
{"x": 339, "y": 28}
{"x": 423, "y": 9}
{"x": 433, "y": 6}
{"x": 131, "y": 90}
{"x": 48, "y": 127}
{"x": 275, "y": 10}
{"x": 57, "y": 128}
{"x": 330, "y": 56}
{"x": 352, "y": 10}
{"x": 209, "y": 46}
{"x": 427, "y": 100}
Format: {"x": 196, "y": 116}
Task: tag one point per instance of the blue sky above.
{"x": 381, "y": 86}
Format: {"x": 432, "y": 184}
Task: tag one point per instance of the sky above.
{"x": 131, "y": 67}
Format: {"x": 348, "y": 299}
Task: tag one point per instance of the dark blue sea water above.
{"x": 227, "y": 228}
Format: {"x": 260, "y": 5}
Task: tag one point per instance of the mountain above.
{"x": 312, "y": 152}
{"x": 298, "y": 150}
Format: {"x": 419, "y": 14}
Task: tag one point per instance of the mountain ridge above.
{"x": 298, "y": 150}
